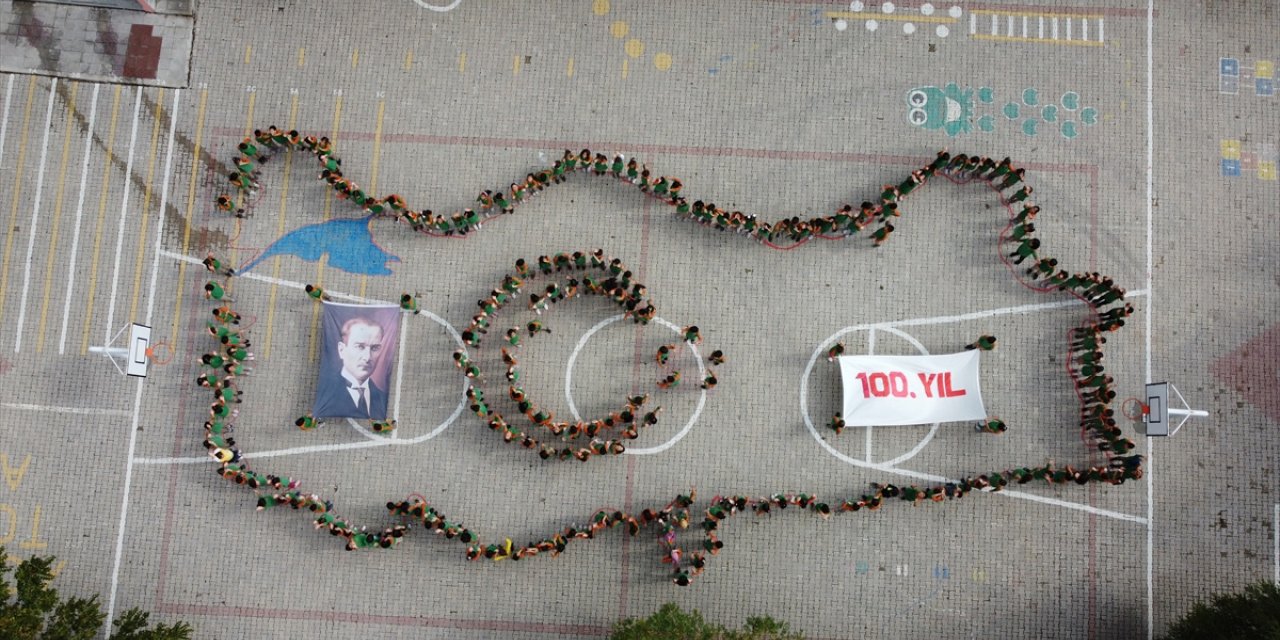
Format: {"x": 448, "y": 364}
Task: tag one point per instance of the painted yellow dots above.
{"x": 662, "y": 61}
{"x": 600, "y": 7}
{"x": 635, "y": 48}
{"x": 619, "y": 29}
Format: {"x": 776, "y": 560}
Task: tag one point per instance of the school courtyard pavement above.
{"x": 1149, "y": 132}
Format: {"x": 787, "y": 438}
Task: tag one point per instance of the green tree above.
{"x": 673, "y": 623}
{"x": 1252, "y": 614}
{"x": 30, "y": 609}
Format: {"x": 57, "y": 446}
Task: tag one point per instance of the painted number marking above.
{"x": 881, "y": 384}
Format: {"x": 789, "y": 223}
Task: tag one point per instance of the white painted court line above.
{"x": 395, "y": 411}
{"x": 299, "y": 286}
{"x": 1054, "y": 24}
{"x": 75, "y": 237}
{"x": 4, "y": 120}
{"x": 697, "y": 358}
{"x": 35, "y": 216}
{"x": 369, "y": 435}
{"x": 124, "y": 209}
{"x": 80, "y": 411}
{"x": 1151, "y": 8}
{"x": 1100, "y": 31}
{"x": 137, "y": 400}
{"x": 871, "y": 351}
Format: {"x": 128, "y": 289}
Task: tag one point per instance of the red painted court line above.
{"x": 329, "y": 615}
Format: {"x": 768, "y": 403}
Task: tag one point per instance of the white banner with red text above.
{"x": 898, "y": 390}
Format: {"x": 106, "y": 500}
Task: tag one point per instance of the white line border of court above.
{"x": 697, "y": 358}
{"x": 79, "y": 411}
{"x": 151, "y": 299}
{"x": 378, "y": 441}
{"x": 1151, "y": 9}
{"x": 75, "y": 237}
{"x": 913, "y": 322}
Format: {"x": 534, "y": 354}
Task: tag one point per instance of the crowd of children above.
{"x": 227, "y": 363}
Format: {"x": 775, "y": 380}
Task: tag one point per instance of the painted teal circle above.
{"x": 987, "y": 124}
{"x": 1070, "y": 101}
{"x": 986, "y": 94}
{"x": 1089, "y": 115}
{"x": 1030, "y": 97}
{"x": 1029, "y": 126}
{"x": 1049, "y": 113}
{"x": 1011, "y": 110}
{"x": 1069, "y": 130}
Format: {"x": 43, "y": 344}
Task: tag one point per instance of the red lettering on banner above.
{"x": 927, "y": 380}
{"x": 951, "y": 393}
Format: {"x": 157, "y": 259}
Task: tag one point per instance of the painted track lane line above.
{"x": 85, "y": 411}
{"x": 104, "y": 191}
{"x": 75, "y": 236}
{"x": 137, "y": 400}
{"x": 124, "y": 209}
{"x": 35, "y": 216}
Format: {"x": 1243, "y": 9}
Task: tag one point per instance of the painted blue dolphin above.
{"x": 348, "y": 242}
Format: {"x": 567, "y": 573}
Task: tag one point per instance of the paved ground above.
{"x": 776, "y": 108}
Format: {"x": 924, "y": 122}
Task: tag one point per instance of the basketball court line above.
{"x": 35, "y": 216}
{"x": 151, "y": 299}
{"x": 80, "y": 411}
{"x": 124, "y": 209}
{"x": 1151, "y": 8}
{"x": 75, "y": 237}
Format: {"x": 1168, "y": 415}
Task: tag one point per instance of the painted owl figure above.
{"x": 949, "y": 108}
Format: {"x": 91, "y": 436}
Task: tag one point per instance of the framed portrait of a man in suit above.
{"x": 356, "y": 360}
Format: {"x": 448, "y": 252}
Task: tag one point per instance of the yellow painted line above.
{"x": 462, "y": 63}
{"x": 1034, "y": 14}
{"x": 248, "y": 53}
{"x": 49, "y": 284}
{"x": 568, "y": 70}
{"x": 146, "y": 208}
{"x": 248, "y": 131}
{"x": 17, "y": 191}
{"x": 1078, "y": 43}
{"x": 97, "y": 234}
{"x": 275, "y": 262}
{"x": 302, "y": 56}
{"x": 890, "y": 16}
{"x": 624, "y": 68}
{"x": 515, "y": 65}
{"x": 191, "y": 205}
{"x": 408, "y": 59}
{"x": 355, "y": 58}
{"x": 312, "y": 353}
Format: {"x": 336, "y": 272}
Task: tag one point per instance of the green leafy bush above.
{"x": 31, "y": 610}
{"x": 672, "y": 623}
{"x": 1252, "y": 614}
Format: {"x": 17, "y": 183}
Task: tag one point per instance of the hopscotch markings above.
{"x": 75, "y": 236}
{"x": 1038, "y": 36}
{"x": 890, "y": 467}
{"x": 35, "y": 216}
